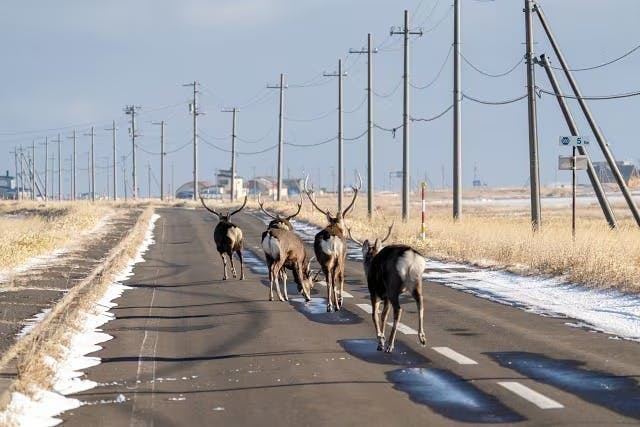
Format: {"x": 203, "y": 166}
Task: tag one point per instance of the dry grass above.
{"x": 50, "y": 337}
{"x": 30, "y": 229}
{"x": 502, "y": 238}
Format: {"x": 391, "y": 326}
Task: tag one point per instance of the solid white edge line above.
{"x": 455, "y": 356}
{"x": 538, "y": 399}
{"x": 401, "y": 326}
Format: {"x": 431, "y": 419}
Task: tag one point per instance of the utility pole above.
{"x": 124, "y": 175}
{"x": 73, "y": 167}
{"x": 149, "y": 179}
{"x": 281, "y": 87}
{"x": 457, "y": 123}
{"x": 33, "y": 169}
{"x": 92, "y": 170}
{"x": 15, "y": 160}
{"x": 162, "y": 157}
{"x": 406, "y": 32}
{"x": 339, "y": 75}
{"x": 21, "y": 174}
{"x": 46, "y": 167}
{"x": 593, "y": 176}
{"x": 113, "y": 129}
{"x": 196, "y": 112}
{"x": 172, "y": 189}
{"x": 602, "y": 142}
{"x": 59, "y": 170}
{"x": 234, "y": 110}
{"x": 131, "y": 111}
{"x": 369, "y": 51}
{"x": 534, "y": 172}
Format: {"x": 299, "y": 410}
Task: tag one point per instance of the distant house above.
{"x": 185, "y": 191}
{"x": 629, "y": 171}
{"x": 8, "y": 188}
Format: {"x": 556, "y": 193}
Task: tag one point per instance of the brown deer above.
{"x": 391, "y": 271}
{"x": 330, "y": 247}
{"x": 278, "y": 223}
{"x": 228, "y": 239}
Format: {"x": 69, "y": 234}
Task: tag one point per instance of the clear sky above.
{"x": 77, "y": 63}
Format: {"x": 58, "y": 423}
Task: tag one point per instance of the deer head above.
{"x": 370, "y": 250}
{"x": 223, "y": 217}
{"x": 282, "y": 222}
{"x": 340, "y": 216}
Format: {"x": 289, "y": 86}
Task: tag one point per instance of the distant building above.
{"x": 629, "y": 171}
{"x": 8, "y": 188}
{"x": 185, "y": 191}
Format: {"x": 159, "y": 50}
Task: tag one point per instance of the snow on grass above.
{"x": 43, "y": 406}
{"x": 606, "y": 311}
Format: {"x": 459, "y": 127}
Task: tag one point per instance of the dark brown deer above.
{"x": 228, "y": 239}
{"x": 330, "y": 247}
{"x": 390, "y": 271}
{"x": 284, "y": 249}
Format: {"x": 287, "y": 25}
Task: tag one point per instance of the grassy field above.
{"x": 31, "y": 228}
{"x": 501, "y": 238}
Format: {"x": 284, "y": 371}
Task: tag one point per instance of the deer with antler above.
{"x": 390, "y": 271}
{"x": 228, "y": 238}
{"x": 283, "y": 249}
{"x": 330, "y": 247}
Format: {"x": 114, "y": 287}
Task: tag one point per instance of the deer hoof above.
{"x": 389, "y": 349}
{"x": 242, "y": 277}
{"x": 380, "y": 347}
{"x": 329, "y": 308}
{"x": 340, "y": 302}
{"x": 271, "y": 298}
{"x": 423, "y": 339}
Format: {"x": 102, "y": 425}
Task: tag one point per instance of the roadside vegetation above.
{"x": 29, "y": 229}
{"x": 501, "y": 238}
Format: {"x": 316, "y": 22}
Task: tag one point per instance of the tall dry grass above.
{"x": 29, "y": 229}
{"x": 502, "y": 238}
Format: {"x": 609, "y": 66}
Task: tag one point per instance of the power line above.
{"x": 485, "y": 73}
{"x": 444, "y": 63}
{"x": 315, "y": 144}
{"x": 255, "y": 141}
{"x": 592, "y": 97}
{"x": 387, "y": 95}
{"x": 364, "y": 98}
{"x": 444, "y": 17}
{"x": 430, "y": 119}
{"x": 502, "y": 102}
{"x": 603, "y": 64}
{"x": 355, "y": 138}
{"x": 311, "y": 119}
{"x": 245, "y": 153}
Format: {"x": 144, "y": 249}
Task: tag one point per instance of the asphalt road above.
{"x": 190, "y": 349}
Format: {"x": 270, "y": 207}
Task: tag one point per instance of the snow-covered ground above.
{"x": 43, "y": 406}
{"x": 606, "y": 311}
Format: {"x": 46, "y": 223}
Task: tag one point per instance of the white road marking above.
{"x": 455, "y": 356}
{"x": 540, "y": 400}
{"x": 401, "y": 326}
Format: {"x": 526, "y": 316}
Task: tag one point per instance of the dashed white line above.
{"x": 455, "y": 356}
{"x": 401, "y": 326}
{"x": 538, "y": 399}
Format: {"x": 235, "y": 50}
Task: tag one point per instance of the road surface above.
{"x": 192, "y": 350}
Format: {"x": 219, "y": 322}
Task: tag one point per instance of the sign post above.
{"x": 573, "y": 163}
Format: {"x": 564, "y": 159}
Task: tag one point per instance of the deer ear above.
{"x": 329, "y": 216}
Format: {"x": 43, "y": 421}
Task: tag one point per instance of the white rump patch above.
{"x": 235, "y": 234}
{"x": 410, "y": 268}
{"x": 333, "y": 246}
{"x": 271, "y": 246}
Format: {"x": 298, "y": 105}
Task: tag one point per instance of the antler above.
{"x": 388, "y": 233}
{"x": 306, "y": 190}
{"x": 290, "y": 217}
{"x": 239, "y": 209}
{"x": 208, "y": 208}
{"x": 353, "y": 238}
{"x": 261, "y": 204}
{"x": 355, "y": 195}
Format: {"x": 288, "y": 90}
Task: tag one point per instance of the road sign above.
{"x": 574, "y": 141}
{"x": 565, "y": 163}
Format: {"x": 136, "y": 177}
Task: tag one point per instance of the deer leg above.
{"x": 283, "y": 273}
{"x": 335, "y": 281}
{"x": 341, "y": 280}
{"x": 239, "y": 252}
{"x": 325, "y": 270}
{"x": 397, "y": 312}
{"x": 224, "y": 263}
{"x": 417, "y": 295}
{"x": 375, "y": 306}
{"x": 276, "y": 275}
{"x": 385, "y": 316}
{"x": 233, "y": 267}
{"x": 271, "y": 281}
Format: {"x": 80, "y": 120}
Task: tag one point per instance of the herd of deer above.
{"x": 390, "y": 270}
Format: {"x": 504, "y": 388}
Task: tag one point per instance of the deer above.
{"x": 390, "y": 271}
{"x": 228, "y": 239}
{"x": 330, "y": 247}
{"x": 273, "y": 246}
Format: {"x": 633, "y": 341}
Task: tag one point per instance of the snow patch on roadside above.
{"x": 29, "y": 324}
{"x": 43, "y": 407}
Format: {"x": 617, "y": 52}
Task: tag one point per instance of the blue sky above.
{"x": 77, "y": 63}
